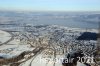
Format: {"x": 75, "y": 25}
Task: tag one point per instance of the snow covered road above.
{"x": 4, "y": 37}
{"x": 38, "y": 60}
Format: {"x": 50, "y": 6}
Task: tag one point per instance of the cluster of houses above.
{"x": 63, "y": 41}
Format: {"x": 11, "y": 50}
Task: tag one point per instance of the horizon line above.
{"x": 51, "y": 10}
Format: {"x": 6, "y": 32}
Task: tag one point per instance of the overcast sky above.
{"x": 50, "y": 5}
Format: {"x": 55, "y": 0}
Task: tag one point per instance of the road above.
{"x": 11, "y": 38}
{"x": 38, "y": 60}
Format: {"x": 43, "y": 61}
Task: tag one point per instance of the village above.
{"x": 30, "y": 45}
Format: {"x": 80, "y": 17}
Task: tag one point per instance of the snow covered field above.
{"x": 4, "y": 36}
